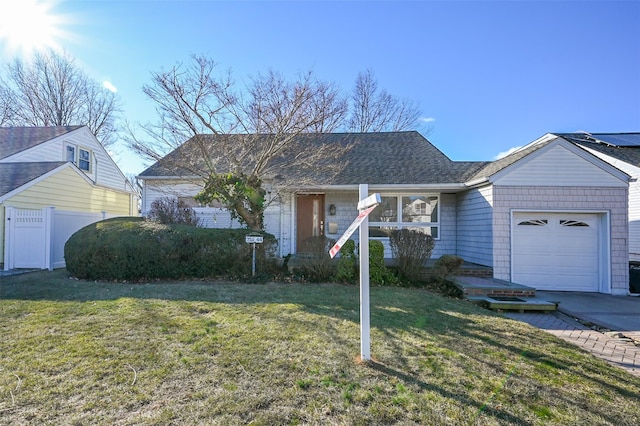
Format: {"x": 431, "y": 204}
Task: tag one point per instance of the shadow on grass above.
{"x": 482, "y": 407}
{"x": 459, "y": 325}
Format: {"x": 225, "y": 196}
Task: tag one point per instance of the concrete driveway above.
{"x": 617, "y": 313}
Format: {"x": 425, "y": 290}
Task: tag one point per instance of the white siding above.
{"x": 556, "y": 165}
{"x": 216, "y": 218}
{"x": 634, "y": 221}
{"x": 634, "y": 201}
{"x": 272, "y": 221}
{"x": 154, "y": 190}
{"x": 286, "y": 226}
{"x": 104, "y": 171}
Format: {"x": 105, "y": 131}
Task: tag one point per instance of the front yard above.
{"x": 198, "y": 352}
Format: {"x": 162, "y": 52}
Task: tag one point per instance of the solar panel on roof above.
{"x": 619, "y": 139}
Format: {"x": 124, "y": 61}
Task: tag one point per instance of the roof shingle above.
{"x": 374, "y": 158}
{"x": 15, "y": 175}
{"x": 16, "y": 139}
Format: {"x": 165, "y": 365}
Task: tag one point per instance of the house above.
{"x": 53, "y": 181}
{"x": 621, "y": 150}
{"x": 552, "y": 215}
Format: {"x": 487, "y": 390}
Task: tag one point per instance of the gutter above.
{"x": 451, "y": 187}
{"x": 476, "y": 182}
{"x": 140, "y": 177}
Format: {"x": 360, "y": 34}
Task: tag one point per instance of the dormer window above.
{"x": 79, "y": 156}
{"x": 71, "y": 154}
{"x": 84, "y": 160}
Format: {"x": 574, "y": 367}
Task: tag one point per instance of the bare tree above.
{"x": 238, "y": 138}
{"x": 5, "y": 105}
{"x": 375, "y": 110}
{"x": 50, "y": 90}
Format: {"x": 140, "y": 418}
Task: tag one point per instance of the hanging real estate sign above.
{"x": 350, "y": 230}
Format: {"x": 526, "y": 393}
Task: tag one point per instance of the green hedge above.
{"x": 133, "y": 249}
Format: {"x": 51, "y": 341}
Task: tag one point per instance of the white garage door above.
{"x": 556, "y": 251}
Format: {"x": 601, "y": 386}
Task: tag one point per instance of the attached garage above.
{"x": 559, "y": 250}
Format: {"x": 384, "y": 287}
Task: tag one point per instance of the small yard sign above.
{"x": 254, "y": 239}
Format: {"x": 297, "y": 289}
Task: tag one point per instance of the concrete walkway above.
{"x": 611, "y": 346}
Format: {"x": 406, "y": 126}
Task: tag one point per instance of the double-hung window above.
{"x": 84, "y": 159}
{"x": 419, "y": 212}
{"x": 71, "y": 154}
{"x": 79, "y": 156}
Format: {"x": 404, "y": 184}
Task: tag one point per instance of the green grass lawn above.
{"x": 198, "y": 352}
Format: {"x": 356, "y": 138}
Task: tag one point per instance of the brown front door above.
{"x": 309, "y": 217}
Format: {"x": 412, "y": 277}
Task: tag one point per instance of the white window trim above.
{"x": 76, "y": 156}
{"x": 400, "y": 224}
{"x": 90, "y": 153}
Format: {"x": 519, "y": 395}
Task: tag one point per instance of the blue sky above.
{"x": 489, "y": 75}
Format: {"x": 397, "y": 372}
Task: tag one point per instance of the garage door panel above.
{"x": 556, "y": 251}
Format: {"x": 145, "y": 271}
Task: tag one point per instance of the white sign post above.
{"x": 365, "y": 206}
{"x": 365, "y": 324}
{"x": 253, "y": 239}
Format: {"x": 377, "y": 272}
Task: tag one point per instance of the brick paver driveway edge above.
{"x": 617, "y": 351}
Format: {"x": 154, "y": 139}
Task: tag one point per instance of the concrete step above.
{"x": 479, "y": 286}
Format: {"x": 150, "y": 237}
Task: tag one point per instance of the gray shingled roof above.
{"x": 14, "y": 175}
{"x": 601, "y": 142}
{"x": 495, "y": 166}
{"x": 408, "y": 158}
{"x": 374, "y": 158}
{"x": 17, "y": 139}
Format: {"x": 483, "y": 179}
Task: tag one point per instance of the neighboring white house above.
{"x": 551, "y": 215}
{"x": 53, "y": 181}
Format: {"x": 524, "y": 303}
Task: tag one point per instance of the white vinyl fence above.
{"x": 36, "y": 238}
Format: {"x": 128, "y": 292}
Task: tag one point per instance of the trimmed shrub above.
{"x": 378, "y": 271}
{"x": 315, "y": 263}
{"x": 348, "y": 264}
{"x": 133, "y": 249}
{"x": 411, "y": 251}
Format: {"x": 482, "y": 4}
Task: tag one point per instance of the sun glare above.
{"x": 27, "y": 26}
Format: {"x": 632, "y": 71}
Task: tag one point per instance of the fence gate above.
{"x": 27, "y": 238}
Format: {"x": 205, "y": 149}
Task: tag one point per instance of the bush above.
{"x": 348, "y": 265}
{"x": 315, "y": 263}
{"x": 133, "y": 249}
{"x": 442, "y": 269}
{"x": 170, "y": 211}
{"x": 411, "y": 250}
{"x": 378, "y": 271}
{"x": 446, "y": 265}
